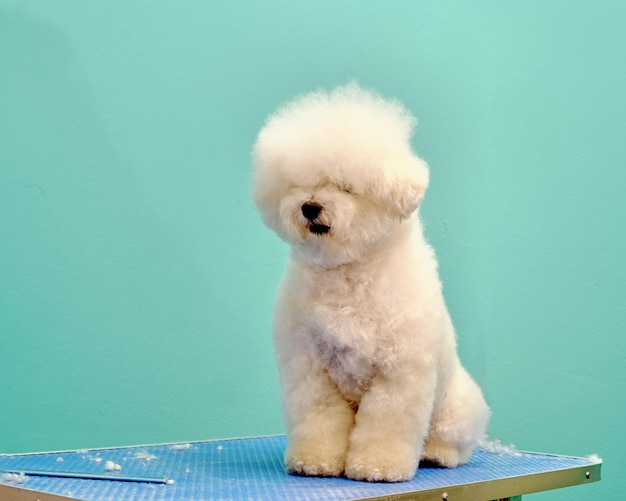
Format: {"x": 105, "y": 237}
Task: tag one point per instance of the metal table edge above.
{"x": 19, "y": 493}
{"x": 503, "y": 488}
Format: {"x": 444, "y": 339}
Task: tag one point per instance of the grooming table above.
{"x": 252, "y": 469}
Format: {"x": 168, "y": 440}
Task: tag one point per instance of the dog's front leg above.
{"x": 318, "y": 420}
{"x": 391, "y": 425}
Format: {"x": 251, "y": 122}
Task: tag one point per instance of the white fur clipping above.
{"x": 181, "y": 447}
{"x": 497, "y": 447}
{"x": 111, "y": 466}
{"x": 15, "y": 478}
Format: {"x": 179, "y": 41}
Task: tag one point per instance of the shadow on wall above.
{"x": 98, "y": 294}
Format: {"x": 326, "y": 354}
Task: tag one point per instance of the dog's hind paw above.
{"x": 443, "y": 454}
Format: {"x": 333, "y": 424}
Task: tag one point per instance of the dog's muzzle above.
{"x": 311, "y": 211}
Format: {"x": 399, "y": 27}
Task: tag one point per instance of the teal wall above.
{"x": 136, "y": 281}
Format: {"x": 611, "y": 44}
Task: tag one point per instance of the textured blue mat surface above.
{"x": 246, "y": 469}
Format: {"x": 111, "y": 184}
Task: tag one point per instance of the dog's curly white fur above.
{"x": 370, "y": 377}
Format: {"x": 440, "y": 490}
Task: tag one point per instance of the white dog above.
{"x": 370, "y": 377}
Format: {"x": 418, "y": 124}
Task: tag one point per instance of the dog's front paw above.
{"x": 381, "y": 465}
{"x": 315, "y": 459}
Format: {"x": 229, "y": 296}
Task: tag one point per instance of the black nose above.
{"x": 311, "y": 210}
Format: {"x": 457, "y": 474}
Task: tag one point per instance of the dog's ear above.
{"x": 407, "y": 185}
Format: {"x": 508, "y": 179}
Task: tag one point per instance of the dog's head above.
{"x": 335, "y": 173}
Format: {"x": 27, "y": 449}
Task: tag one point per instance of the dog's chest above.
{"x": 350, "y": 368}
{"x": 345, "y": 330}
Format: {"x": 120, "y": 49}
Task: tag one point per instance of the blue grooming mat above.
{"x": 252, "y": 469}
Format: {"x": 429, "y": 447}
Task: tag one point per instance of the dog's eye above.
{"x": 345, "y": 188}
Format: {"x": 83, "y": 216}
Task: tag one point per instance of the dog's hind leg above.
{"x": 459, "y": 422}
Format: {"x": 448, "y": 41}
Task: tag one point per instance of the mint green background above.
{"x": 136, "y": 281}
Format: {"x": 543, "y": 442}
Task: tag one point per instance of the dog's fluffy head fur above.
{"x": 335, "y": 173}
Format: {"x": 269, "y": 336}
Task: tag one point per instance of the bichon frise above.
{"x": 370, "y": 377}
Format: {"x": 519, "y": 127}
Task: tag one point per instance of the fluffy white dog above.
{"x": 370, "y": 377}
